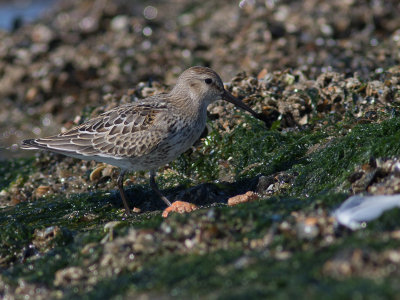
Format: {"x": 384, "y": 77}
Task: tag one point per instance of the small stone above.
{"x": 89, "y": 24}
{"x": 42, "y": 190}
{"x": 283, "y": 255}
{"x": 47, "y": 232}
{"x": 289, "y": 79}
{"x": 262, "y": 74}
{"x": 42, "y": 238}
{"x": 42, "y": 34}
{"x": 97, "y": 173}
{"x": 244, "y": 262}
{"x": 107, "y": 171}
{"x": 31, "y": 93}
{"x": 179, "y": 207}
{"x": 68, "y": 276}
{"x": 136, "y": 210}
{"x": 303, "y": 120}
{"x": 248, "y": 197}
{"x": 120, "y": 23}
{"x": 393, "y": 256}
{"x": 308, "y": 228}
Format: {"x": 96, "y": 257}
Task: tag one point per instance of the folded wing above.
{"x": 126, "y": 131}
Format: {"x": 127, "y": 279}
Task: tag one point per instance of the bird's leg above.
{"x": 120, "y": 182}
{"x": 178, "y": 206}
{"x": 154, "y": 187}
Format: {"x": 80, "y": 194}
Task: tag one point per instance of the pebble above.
{"x": 42, "y": 190}
{"x": 248, "y": 197}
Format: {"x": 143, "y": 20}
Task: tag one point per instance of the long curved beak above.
{"x": 228, "y": 97}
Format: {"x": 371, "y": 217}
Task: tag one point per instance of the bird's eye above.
{"x": 208, "y": 80}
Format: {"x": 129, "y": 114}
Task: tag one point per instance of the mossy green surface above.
{"x": 15, "y": 171}
{"x": 230, "y": 269}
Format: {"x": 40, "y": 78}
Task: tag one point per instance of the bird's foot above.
{"x": 179, "y": 207}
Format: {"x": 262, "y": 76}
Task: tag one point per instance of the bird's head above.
{"x": 205, "y": 86}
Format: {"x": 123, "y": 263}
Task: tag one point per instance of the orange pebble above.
{"x": 179, "y": 207}
{"x": 248, "y": 197}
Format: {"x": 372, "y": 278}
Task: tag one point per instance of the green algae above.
{"x": 219, "y": 273}
{"x": 328, "y": 168}
{"x": 248, "y": 145}
{"x": 267, "y": 278}
{"x": 15, "y": 171}
{"x": 237, "y": 272}
{"x": 323, "y": 170}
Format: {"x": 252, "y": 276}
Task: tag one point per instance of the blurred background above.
{"x": 58, "y": 59}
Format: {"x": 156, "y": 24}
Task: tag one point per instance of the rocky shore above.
{"x": 325, "y": 75}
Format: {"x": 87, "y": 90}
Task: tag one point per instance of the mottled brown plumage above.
{"x": 147, "y": 134}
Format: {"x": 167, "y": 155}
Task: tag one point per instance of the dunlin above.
{"x": 146, "y": 134}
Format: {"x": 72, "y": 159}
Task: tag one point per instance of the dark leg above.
{"x": 120, "y": 182}
{"x": 154, "y": 187}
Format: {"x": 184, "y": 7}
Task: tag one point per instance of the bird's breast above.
{"x": 186, "y": 133}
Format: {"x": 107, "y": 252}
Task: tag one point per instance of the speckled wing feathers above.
{"x": 126, "y": 131}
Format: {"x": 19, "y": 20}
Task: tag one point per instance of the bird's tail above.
{"x": 30, "y": 144}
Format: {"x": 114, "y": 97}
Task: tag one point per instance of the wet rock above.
{"x": 43, "y": 238}
{"x": 378, "y": 177}
{"x": 378, "y": 90}
{"x": 275, "y": 184}
{"x": 264, "y": 183}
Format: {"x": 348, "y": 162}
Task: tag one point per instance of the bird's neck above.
{"x": 188, "y": 105}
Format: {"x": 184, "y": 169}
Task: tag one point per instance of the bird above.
{"x": 146, "y": 134}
